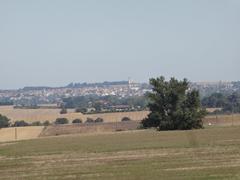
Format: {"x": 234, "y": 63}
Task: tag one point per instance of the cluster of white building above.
{"x": 55, "y": 95}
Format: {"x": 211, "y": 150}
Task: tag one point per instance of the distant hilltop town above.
{"x": 121, "y": 89}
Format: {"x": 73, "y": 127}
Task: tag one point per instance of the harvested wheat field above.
{"x": 20, "y": 133}
{"x": 223, "y": 120}
{"x": 144, "y": 154}
{"x": 31, "y": 115}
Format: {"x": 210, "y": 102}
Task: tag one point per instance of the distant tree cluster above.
{"x": 99, "y": 120}
{"x": 61, "y": 121}
{"x": 90, "y": 120}
{"x": 77, "y": 121}
{"x": 5, "y": 122}
{"x": 105, "y": 103}
{"x": 20, "y": 123}
{"x": 228, "y": 103}
{"x": 173, "y": 106}
{"x": 6, "y": 103}
{"x": 124, "y": 119}
{"x": 216, "y": 100}
{"x": 81, "y": 110}
{"x": 63, "y": 111}
{"x": 23, "y": 123}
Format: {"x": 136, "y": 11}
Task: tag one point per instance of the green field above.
{"x": 145, "y": 154}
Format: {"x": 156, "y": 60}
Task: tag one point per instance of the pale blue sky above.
{"x": 55, "y": 42}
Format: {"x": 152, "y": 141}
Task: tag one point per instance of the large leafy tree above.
{"x": 173, "y": 106}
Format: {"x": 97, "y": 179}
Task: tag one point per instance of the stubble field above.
{"x": 144, "y": 154}
{"x": 31, "y": 115}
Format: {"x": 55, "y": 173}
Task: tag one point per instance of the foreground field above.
{"x": 200, "y": 154}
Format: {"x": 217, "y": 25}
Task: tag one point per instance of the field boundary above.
{"x": 56, "y": 130}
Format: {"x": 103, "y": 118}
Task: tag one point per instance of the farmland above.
{"x": 31, "y": 115}
{"x": 111, "y": 122}
{"x": 144, "y": 154}
{"x": 20, "y": 133}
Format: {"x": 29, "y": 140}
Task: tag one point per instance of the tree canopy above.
{"x": 173, "y": 106}
{"x": 77, "y": 121}
{"x": 61, "y": 121}
{"x": 228, "y": 102}
{"x": 4, "y": 121}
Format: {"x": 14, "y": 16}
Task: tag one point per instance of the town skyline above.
{"x": 111, "y": 81}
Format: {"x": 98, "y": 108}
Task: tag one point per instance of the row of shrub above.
{"x": 5, "y": 122}
{"x": 23, "y": 123}
{"x": 89, "y": 120}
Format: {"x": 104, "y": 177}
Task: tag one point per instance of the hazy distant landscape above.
{"x": 30, "y": 96}
{"x": 97, "y": 131}
{"x": 120, "y": 90}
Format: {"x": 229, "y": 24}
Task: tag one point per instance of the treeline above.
{"x": 6, "y": 102}
{"x": 105, "y": 103}
{"x": 5, "y": 122}
{"x": 88, "y": 120}
{"x": 228, "y": 103}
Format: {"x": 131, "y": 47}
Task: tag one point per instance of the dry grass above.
{"x": 182, "y": 155}
{"x": 223, "y": 120}
{"x": 8, "y": 134}
{"x": 211, "y": 110}
{"x": 31, "y": 115}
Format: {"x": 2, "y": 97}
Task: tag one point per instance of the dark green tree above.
{"x": 99, "y": 120}
{"x": 20, "y": 123}
{"x": 124, "y": 119}
{"x": 46, "y": 123}
{"x": 233, "y": 103}
{"x": 77, "y": 121}
{"x": 63, "y": 111}
{"x": 36, "y": 123}
{"x": 4, "y": 121}
{"x": 230, "y": 103}
{"x": 61, "y": 121}
{"x": 97, "y": 106}
{"x": 215, "y": 100}
{"x": 81, "y": 110}
{"x": 89, "y": 120}
{"x": 173, "y": 106}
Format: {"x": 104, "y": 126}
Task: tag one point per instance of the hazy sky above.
{"x": 53, "y": 43}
